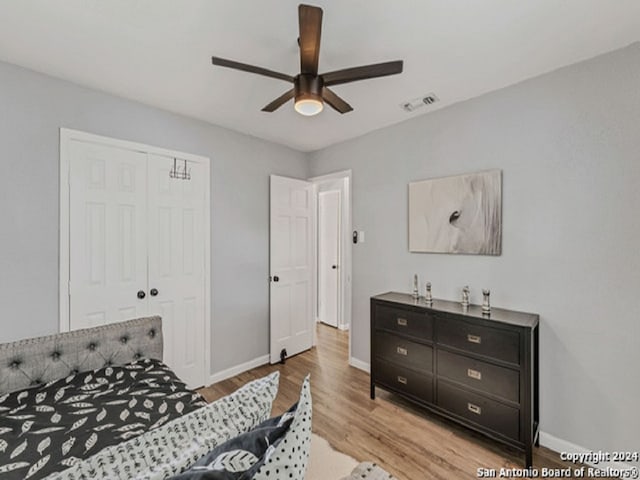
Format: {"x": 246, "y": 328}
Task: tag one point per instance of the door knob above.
{"x": 276, "y": 278}
{"x": 141, "y": 294}
{"x": 153, "y": 292}
{"x": 334, "y": 266}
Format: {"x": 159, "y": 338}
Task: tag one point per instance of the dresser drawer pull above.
{"x": 474, "y": 338}
{"x": 471, "y": 373}
{"x": 402, "y": 380}
{"x": 402, "y": 351}
{"x": 474, "y": 409}
{"x": 402, "y": 322}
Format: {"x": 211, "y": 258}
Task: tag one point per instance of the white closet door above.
{"x": 108, "y": 238}
{"x": 176, "y": 265}
{"x": 291, "y": 263}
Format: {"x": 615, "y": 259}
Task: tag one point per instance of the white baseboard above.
{"x": 359, "y": 364}
{"x": 238, "y": 369}
{"x": 344, "y": 327}
{"x": 559, "y": 445}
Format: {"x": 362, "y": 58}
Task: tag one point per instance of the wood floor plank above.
{"x": 408, "y": 441}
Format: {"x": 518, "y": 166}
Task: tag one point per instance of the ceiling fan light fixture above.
{"x": 308, "y": 106}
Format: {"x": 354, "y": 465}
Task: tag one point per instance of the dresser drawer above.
{"x": 404, "y": 380}
{"x": 480, "y": 375}
{"x": 482, "y": 411}
{"x": 408, "y": 322}
{"x": 403, "y": 352}
{"x": 490, "y": 342}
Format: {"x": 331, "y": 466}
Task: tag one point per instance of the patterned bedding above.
{"x": 47, "y": 429}
{"x": 177, "y": 444}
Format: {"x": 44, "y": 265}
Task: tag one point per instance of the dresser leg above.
{"x": 373, "y": 391}
{"x": 529, "y": 456}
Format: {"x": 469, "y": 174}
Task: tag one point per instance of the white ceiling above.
{"x": 158, "y": 52}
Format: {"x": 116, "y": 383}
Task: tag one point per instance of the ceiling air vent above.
{"x": 416, "y": 103}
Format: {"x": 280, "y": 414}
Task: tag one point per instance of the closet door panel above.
{"x": 108, "y": 238}
{"x": 176, "y": 263}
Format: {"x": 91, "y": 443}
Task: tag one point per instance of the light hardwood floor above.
{"x": 409, "y": 442}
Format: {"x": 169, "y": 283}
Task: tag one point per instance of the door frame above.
{"x": 66, "y": 137}
{"x": 344, "y": 322}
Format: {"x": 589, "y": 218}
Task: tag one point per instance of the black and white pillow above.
{"x": 289, "y": 458}
{"x": 278, "y": 449}
{"x": 241, "y": 457}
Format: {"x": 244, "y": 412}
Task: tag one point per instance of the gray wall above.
{"x": 32, "y": 109}
{"x": 568, "y": 143}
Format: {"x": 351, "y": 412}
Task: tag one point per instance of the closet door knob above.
{"x": 141, "y": 294}
{"x": 153, "y": 292}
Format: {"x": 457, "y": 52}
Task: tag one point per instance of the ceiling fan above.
{"x": 311, "y": 89}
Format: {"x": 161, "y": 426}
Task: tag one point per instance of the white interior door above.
{"x": 329, "y": 208}
{"x": 176, "y": 265}
{"x": 108, "y": 239}
{"x": 291, "y": 265}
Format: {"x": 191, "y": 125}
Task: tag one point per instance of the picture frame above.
{"x": 459, "y": 214}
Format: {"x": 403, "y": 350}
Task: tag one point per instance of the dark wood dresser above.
{"x": 480, "y": 371}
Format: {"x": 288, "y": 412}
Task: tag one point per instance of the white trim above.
{"x": 559, "y": 445}
{"x": 314, "y": 268}
{"x": 67, "y": 134}
{"x": 66, "y": 137}
{"x": 238, "y": 369}
{"x": 64, "y": 241}
{"x": 331, "y": 176}
{"x": 207, "y": 267}
{"x": 346, "y": 253}
{"x": 359, "y": 364}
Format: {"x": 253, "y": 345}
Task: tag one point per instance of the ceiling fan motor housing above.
{"x": 308, "y": 87}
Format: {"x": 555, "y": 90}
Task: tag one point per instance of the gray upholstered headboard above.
{"x": 35, "y": 361}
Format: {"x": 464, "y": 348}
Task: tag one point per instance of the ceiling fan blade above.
{"x": 335, "y": 101}
{"x": 281, "y": 100}
{"x": 362, "y": 73}
{"x": 310, "y": 21}
{"x": 221, "y": 62}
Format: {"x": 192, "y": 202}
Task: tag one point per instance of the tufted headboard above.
{"x": 34, "y": 361}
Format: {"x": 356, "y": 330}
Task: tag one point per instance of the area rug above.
{"x": 327, "y": 464}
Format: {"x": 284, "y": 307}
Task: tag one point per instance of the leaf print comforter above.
{"x": 48, "y": 429}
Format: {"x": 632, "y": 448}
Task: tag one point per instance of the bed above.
{"x": 99, "y": 403}
{"x": 67, "y": 398}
